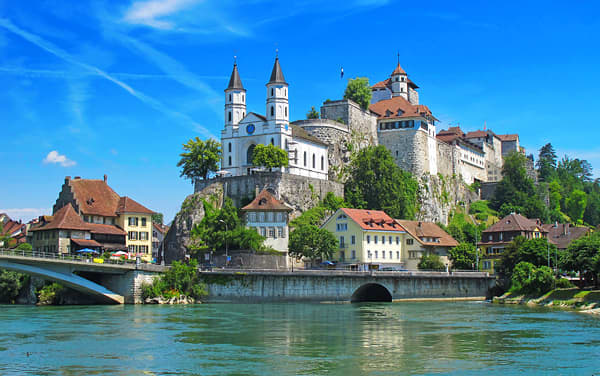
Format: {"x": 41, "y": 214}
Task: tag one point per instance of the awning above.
{"x": 86, "y": 243}
{"x": 114, "y": 246}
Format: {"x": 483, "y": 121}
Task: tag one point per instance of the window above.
{"x": 270, "y": 217}
{"x": 314, "y": 164}
{"x": 229, "y": 160}
{"x": 133, "y": 235}
{"x": 398, "y": 255}
{"x": 397, "y": 240}
{"x": 341, "y": 226}
{"x": 369, "y": 254}
{"x": 322, "y": 163}
{"x": 272, "y": 141}
{"x": 382, "y": 254}
{"x": 342, "y": 242}
{"x": 409, "y": 242}
{"x": 131, "y": 248}
{"x": 133, "y": 221}
{"x": 487, "y": 265}
{"x": 390, "y": 240}
{"x": 261, "y": 217}
{"x": 342, "y": 255}
{"x": 229, "y": 116}
{"x": 390, "y": 255}
{"x": 500, "y": 236}
{"x": 279, "y": 217}
{"x": 143, "y": 222}
{"x": 229, "y": 147}
{"x": 353, "y": 239}
{"x": 243, "y": 99}
{"x": 375, "y": 240}
{"x": 490, "y": 237}
{"x": 143, "y": 235}
{"x": 252, "y": 217}
{"x": 304, "y": 159}
{"x": 396, "y": 153}
{"x": 368, "y": 239}
{"x": 272, "y": 92}
{"x": 230, "y": 97}
{"x": 272, "y": 111}
{"x": 263, "y": 231}
{"x": 280, "y": 232}
{"x": 271, "y": 232}
{"x": 353, "y": 255}
{"x": 383, "y": 239}
{"x": 286, "y": 143}
{"x": 285, "y": 111}
{"x": 376, "y": 254}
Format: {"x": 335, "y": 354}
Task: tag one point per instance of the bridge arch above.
{"x": 371, "y": 292}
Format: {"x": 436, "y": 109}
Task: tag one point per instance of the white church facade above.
{"x": 244, "y": 130}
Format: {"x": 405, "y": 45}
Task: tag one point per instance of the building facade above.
{"x": 425, "y": 238}
{"x": 270, "y": 217}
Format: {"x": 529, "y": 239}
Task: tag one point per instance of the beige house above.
{"x": 425, "y": 238}
{"x": 270, "y": 217}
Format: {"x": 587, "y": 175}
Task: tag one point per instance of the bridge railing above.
{"x": 455, "y": 273}
{"x": 57, "y": 256}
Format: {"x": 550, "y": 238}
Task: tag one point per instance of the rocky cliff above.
{"x": 439, "y": 195}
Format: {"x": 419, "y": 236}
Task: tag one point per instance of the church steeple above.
{"x": 235, "y": 99}
{"x": 277, "y": 74}
{"x": 277, "y": 97}
{"x": 399, "y": 81}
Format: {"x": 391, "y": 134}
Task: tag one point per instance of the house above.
{"x": 562, "y": 234}
{"x": 15, "y": 230}
{"x": 158, "y": 235}
{"x": 425, "y": 238}
{"x": 270, "y": 217}
{"x": 367, "y": 239}
{"x": 495, "y": 238}
{"x": 98, "y": 204}
{"x": 66, "y": 232}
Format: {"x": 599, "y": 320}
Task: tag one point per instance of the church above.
{"x": 244, "y": 130}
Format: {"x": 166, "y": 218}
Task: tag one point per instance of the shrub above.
{"x": 180, "y": 279}
{"x": 25, "y": 247}
{"x": 528, "y": 279}
{"x": 10, "y": 285}
{"x": 51, "y": 294}
{"x": 563, "y": 283}
{"x": 431, "y": 262}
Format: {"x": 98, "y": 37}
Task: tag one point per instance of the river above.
{"x": 463, "y": 338}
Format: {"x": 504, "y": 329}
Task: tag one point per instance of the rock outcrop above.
{"x": 182, "y": 299}
{"x": 439, "y": 195}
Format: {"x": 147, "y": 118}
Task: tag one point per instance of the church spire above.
{"x": 277, "y": 74}
{"x": 235, "y": 82}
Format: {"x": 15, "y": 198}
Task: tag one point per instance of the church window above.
{"x": 402, "y": 90}
{"x": 322, "y": 163}
{"x": 272, "y": 111}
{"x": 304, "y": 159}
{"x": 314, "y": 162}
{"x": 396, "y": 153}
{"x": 230, "y": 160}
{"x": 285, "y": 111}
{"x": 230, "y": 97}
{"x": 229, "y": 147}
{"x": 272, "y": 141}
{"x": 286, "y": 143}
{"x": 250, "y": 154}
{"x": 243, "y": 98}
{"x": 285, "y": 92}
{"x": 397, "y": 79}
{"x": 229, "y": 116}
{"x": 271, "y": 91}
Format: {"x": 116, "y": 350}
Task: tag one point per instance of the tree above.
{"x": 157, "y": 218}
{"x": 269, "y": 156}
{"x": 575, "y": 205}
{"x": 463, "y": 256}
{"x": 24, "y": 247}
{"x": 583, "y": 255}
{"x": 534, "y": 251}
{"x": 312, "y": 242}
{"x": 529, "y": 279}
{"x": 546, "y": 163}
{"x": 431, "y": 262}
{"x": 199, "y": 158}
{"x": 10, "y": 285}
{"x": 312, "y": 114}
{"x": 377, "y": 183}
{"x": 359, "y": 91}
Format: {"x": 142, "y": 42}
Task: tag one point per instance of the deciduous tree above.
{"x": 312, "y": 242}
{"x": 269, "y": 156}
{"x": 463, "y": 256}
{"x": 359, "y": 91}
{"x": 199, "y": 158}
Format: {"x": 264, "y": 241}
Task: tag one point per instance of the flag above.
{"x": 342, "y": 73}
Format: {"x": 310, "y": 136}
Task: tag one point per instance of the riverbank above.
{"x": 586, "y": 301}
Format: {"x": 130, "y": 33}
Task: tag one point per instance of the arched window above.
{"x": 272, "y": 141}
{"x": 229, "y": 116}
{"x": 286, "y": 143}
{"x": 304, "y": 159}
{"x": 250, "y": 154}
{"x": 322, "y": 163}
{"x": 285, "y": 111}
{"x": 243, "y": 98}
{"x": 229, "y": 147}
{"x": 230, "y": 97}
{"x": 272, "y": 91}
{"x": 285, "y": 92}
{"x": 314, "y": 160}
{"x": 272, "y": 111}
{"x": 230, "y": 160}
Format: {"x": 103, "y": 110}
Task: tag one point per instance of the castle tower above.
{"x": 399, "y": 82}
{"x": 277, "y": 98}
{"x": 235, "y": 99}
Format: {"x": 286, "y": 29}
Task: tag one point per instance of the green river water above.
{"x": 463, "y": 338}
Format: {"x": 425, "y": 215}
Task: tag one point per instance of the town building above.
{"x": 15, "y": 230}
{"x": 270, "y": 217}
{"x": 97, "y": 203}
{"x": 495, "y": 238}
{"x": 244, "y": 130}
{"x": 562, "y": 234}
{"x": 425, "y": 238}
{"x": 158, "y": 235}
{"x": 367, "y": 239}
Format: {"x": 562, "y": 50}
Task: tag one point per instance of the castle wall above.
{"x": 446, "y": 158}
{"x": 413, "y": 96}
{"x": 409, "y": 147}
{"x": 361, "y": 122}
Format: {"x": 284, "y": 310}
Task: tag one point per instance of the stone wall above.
{"x": 249, "y": 260}
{"x": 409, "y": 147}
{"x": 446, "y": 158}
{"x": 439, "y": 195}
{"x": 128, "y": 285}
{"x": 361, "y": 122}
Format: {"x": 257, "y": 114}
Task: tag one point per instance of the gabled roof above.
{"x": 94, "y": 197}
{"x": 375, "y": 220}
{"x": 235, "y": 82}
{"x": 508, "y": 137}
{"x": 514, "y": 222}
{"x": 382, "y": 84}
{"x": 129, "y": 205}
{"x": 299, "y": 132}
{"x": 265, "y": 201}
{"x": 99, "y": 228}
{"x": 160, "y": 228}
{"x": 562, "y": 234}
{"x": 277, "y": 74}
{"x": 65, "y": 219}
{"x": 86, "y": 243}
{"x": 249, "y": 114}
{"x": 476, "y": 134}
{"x": 396, "y": 104}
{"x": 419, "y": 230}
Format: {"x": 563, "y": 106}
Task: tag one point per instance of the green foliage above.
{"x": 462, "y": 229}
{"x": 377, "y": 183}
{"x": 332, "y": 202}
{"x": 180, "y": 279}
{"x": 25, "y": 247}
{"x": 269, "y": 156}
{"x": 312, "y": 114}
{"x": 575, "y": 205}
{"x": 463, "y": 256}
{"x": 316, "y": 215}
{"x": 583, "y": 255}
{"x": 199, "y": 158}
{"x": 51, "y": 294}
{"x": 157, "y": 218}
{"x": 563, "y": 283}
{"x": 529, "y": 279}
{"x": 533, "y": 251}
{"x": 359, "y": 91}
{"x": 10, "y": 285}
{"x": 516, "y": 191}
{"x": 481, "y": 210}
{"x": 312, "y": 242}
{"x": 221, "y": 227}
{"x": 546, "y": 163}
{"x": 431, "y": 262}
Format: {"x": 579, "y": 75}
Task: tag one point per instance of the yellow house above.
{"x": 136, "y": 220}
{"x": 367, "y": 239}
{"x": 495, "y": 238}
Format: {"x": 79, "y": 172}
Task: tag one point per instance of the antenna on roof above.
{"x": 276, "y": 52}
{"x": 234, "y": 60}
{"x": 398, "y": 57}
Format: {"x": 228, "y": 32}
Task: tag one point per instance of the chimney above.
{"x": 419, "y": 224}
{"x": 105, "y": 178}
{"x": 77, "y": 177}
{"x": 67, "y": 178}
{"x": 256, "y": 191}
{"x": 565, "y": 229}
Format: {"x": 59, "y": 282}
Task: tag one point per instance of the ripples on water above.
{"x": 297, "y": 339}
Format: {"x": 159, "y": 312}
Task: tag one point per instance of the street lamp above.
{"x": 226, "y": 244}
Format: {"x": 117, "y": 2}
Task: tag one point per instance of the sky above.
{"x": 91, "y": 88}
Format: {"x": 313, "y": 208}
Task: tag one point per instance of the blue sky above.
{"x": 92, "y": 88}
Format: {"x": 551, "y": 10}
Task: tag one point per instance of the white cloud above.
{"x": 148, "y": 12}
{"x": 25, "y": 214}
{"x": 55, "y": 157}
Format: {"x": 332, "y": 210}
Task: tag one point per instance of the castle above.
{"x": 318, "y": 148}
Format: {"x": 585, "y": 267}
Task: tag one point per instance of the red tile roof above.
{"x": 99, "y": 228}
{"x": 476, "y": 134}
{"x": 95, "y": 197}
{"x": 265, "y": 201}
{"x": 129, "y": 205}
{"x": 398, "y": 70}
{"x": 381, "y": 84}
{"x": 396, "y": 104}
{"x": 514, "y": 222}
{"x": 373, "y": 220}
{"x": 86, "y": 242}
{"x": 563, "y": 234}
{"x": 163, "y": 229}
{"x": 65, "y": 218}
{"x": 508, "y": 137}
{"x": 419, "y": 230}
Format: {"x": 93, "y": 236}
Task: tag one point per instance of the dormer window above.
{"x": 262, "y": 201}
